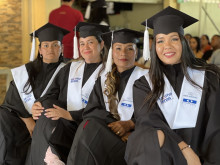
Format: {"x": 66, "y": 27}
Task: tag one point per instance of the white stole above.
{"x": 77, "y": 97}
{"x": 20, "y": 77}
{"x": 181, "y": 112}
{"x": 125, "y": 106}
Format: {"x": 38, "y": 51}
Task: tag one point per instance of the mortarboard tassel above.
{"x": 146, "y": 51}
{"x": 75, "y": 46}
{"x": 108, "y": 67}
{"x": 32, "y": 56}
{"x": 88, "y": 11}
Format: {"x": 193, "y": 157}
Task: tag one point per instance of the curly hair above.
{"x": 112, "y": 84}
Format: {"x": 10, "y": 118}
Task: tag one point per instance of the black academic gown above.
{"x": 61, "y": 139}
{"x": 14, "y": 135}
{"x": 94, "y": 142}
{"x": 143, "y": 146}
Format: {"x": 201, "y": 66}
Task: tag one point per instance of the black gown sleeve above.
{"x": 13, "y": 102}
{"x": 96, "y": 105}
{"x": 210, "y": 123}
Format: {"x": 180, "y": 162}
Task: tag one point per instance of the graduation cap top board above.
{"x": 47, "y": 32}
{"x": 86, "y": 29}
{"x": 119, "y": 36}
{"x": 166, "y": 21}
{"x": 169, "y": 20}
{"x": 50, "y": 32}
{"x": 91, "y": 29}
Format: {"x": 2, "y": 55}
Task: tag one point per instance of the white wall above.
{"x": 50, "y": 5}
{"x": 132, "y": 19}
{"x": 204, "y": 26}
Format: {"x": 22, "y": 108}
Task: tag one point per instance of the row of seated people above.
{"x": 204, "y": 48}
{"x": 102, "y": 109}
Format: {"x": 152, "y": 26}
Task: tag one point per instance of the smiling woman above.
{"x": 173, "y": 103}
{"x": 59, "y": 112}
{"x": 169, "y": 48}
{"x": 108, "y": 117}
{"x": 124, "y": 55}
{"x": 90, "y": 49}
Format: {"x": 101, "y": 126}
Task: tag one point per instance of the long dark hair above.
{"x": 198, "y": 47}
{"x": 207, "y": 37}
{"x": 35, "y": 69}
{"x": 187, "y": 60}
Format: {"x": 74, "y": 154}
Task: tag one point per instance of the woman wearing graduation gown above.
{"x": 30, "y": 82}
{"x": 101, "y": 137}
{"x": 60, "y": 110}
{"x": 177, "y": 121}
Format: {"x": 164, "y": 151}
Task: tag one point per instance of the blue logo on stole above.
{"x": 166, "y": 98}
{"x": 77, "y": 79}
{"x": 189, "y": 101}
{"x": 27, "y": 98}
{"x": 126, "y": 105}
{"x": 85, "y": 101}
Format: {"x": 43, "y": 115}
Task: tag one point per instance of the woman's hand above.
{"x": 161, "y": 137}
{"x": 125, "y": 137}
{"x": 30, "y": 124}
{"x": 36, "y": 110}
{"x": 120, "y": 128}
{"x": 189, "y": 154}
{"x": 57, "y": 112}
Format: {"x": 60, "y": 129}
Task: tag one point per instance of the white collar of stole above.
{"x": 77, "y": 97}
{"x": 20, "y": 77}
{"x": 181, "y": 112}
{"x": 125, "y": 106}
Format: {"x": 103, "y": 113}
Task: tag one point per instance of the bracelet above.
{"x": 188, "y": 146}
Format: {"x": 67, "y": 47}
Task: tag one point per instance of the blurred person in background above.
{"x": 205, "y": 43}
{"x": 195, "y": 46}
{"x": 66, "y": 17}
{"x": 215, "y": 57}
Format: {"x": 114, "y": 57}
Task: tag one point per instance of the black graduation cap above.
{"x": 122, "y": 36}
{"x": 169, "y": 20}
{"x": 91, "y": 29}
{"x": 119, "y": 36}
{"x": 86, "y": 29}
{"x": 47, "y": 32}
{"x": 166, "y": 21}
{"x": 50, "y": 32}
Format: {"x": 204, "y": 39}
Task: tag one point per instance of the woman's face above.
{"x": 90, "y": 49}
{"x": 193, "y": 43}
{"x": 50, "y": 50}
{"x": 124, "y": 55}
{"x": 204, "y": 41}
{"x": 169, "y": 48}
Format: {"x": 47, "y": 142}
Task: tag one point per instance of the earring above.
{"x": 41, "y": 56}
